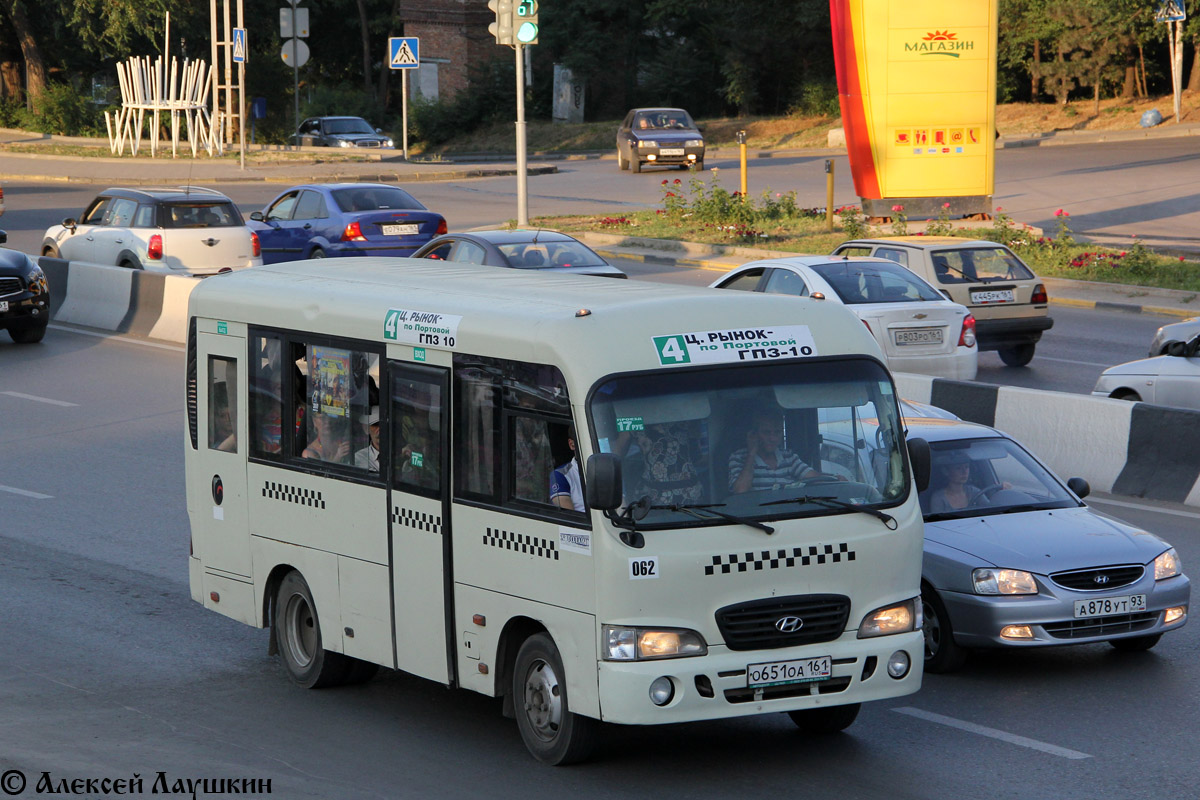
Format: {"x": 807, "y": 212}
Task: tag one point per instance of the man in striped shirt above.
{"x": 763, "y": 464}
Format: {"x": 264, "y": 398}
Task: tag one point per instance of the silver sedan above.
{"x": 1014, "y": 558}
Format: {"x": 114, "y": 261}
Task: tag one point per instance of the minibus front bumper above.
{"x": 715, "y": 686}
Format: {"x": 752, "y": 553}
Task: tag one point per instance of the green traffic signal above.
{"x": 527, "y": 33}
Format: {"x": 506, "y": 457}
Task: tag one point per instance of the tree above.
{"x": 35, "y": 66}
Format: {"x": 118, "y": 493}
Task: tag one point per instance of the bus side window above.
{"x": 222, "y": 404}
{"x": 417, "y": 445}
{"x": 266, "y": 397}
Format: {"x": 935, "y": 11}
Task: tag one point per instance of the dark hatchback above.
{"x": 24, "y": 296}
{"x": 542, "y": 250}
{"x": 659, "y": 137}
{"x": 343, "y": 219}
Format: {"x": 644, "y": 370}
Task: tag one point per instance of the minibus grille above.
{"x": 748, "y": 695}
{"x": 1099, "y": 579}
{"x": 768, "y": 624}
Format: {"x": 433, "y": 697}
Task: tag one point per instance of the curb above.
{"x": 358, "y": 177}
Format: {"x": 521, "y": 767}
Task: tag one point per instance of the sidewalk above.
{"x": 1063, "y": 292}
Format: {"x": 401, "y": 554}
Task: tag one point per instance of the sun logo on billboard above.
{"x": 941, "y": 36}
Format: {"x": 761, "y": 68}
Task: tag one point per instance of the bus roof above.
{"x": 523, "y": 315}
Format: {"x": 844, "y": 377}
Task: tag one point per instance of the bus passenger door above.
{"x": 419, "y": 519}
{"x": 219, "y": 537}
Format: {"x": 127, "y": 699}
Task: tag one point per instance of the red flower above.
{"x": 897, "y": 209}
{"x": 946, "y": 206}
{"x": 1058, "y": 213}
{"x": 1181, "y": 258}
{"x": 677, "y": 181}
{"x": 664, "y": 183}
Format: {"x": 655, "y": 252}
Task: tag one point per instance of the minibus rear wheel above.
{"x": 297, "y": 631}
{"x": 550, "y": 730}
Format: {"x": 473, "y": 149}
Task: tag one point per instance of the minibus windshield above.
{"x": 791, "y": 439}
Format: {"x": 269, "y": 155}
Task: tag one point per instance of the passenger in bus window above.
{"x": 764, "y": 464}
{"x": 566, "y": 485}
{"x": 331, "y": 443}
{"x": 666, "y": 471}
{"x": 222, "y": 431}
{"x": 368, "y": 457}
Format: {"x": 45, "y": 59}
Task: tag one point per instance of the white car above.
{"x": 1170, "y": 380}
{"x": 917, "y": 328}
{"x": 185, "y": 231}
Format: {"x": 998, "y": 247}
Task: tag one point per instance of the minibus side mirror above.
{"x": 918, "y": 456}
{"x": 602, "y": 480}
{"x": 1080, "y": 487}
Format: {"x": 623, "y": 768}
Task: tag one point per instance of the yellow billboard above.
{"x": 917, "y": 85}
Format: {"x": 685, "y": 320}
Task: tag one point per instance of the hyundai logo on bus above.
{"x": 789, "y": 624}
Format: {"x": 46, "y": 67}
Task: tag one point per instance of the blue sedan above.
{"x": 343, "y": 219}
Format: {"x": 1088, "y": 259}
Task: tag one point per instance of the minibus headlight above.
{"x": 1004, "y": 581}
{"x": 643, "y": 644}
{"x": 897, "y": 618}
{"x": 1167, "y": 565}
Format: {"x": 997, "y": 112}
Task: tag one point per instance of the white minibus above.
{"x": 602, "y": 501}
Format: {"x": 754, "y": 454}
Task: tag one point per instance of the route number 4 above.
{"x": 671, "y": 350}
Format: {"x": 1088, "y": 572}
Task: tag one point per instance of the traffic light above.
{"x": 526, "y": 22}
{"x": 502, "y": 28}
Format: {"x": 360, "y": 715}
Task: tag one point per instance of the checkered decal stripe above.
{"x": 774, "y": 559}
{"x": 293, "y": 494}
{"x": 417, "y": 520}
{"x": 521, "y": 543}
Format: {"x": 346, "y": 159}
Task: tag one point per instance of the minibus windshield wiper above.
{"x": 833, "y": 502}
{"x": 710, "y": 508}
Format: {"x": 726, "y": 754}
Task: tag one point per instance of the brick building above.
{"x": 454, "y": 42}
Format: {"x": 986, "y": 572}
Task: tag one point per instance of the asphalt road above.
{"x": 112, "y": 670}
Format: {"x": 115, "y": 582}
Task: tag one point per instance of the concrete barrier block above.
{"x": 1075, "y": 435}
{"x": 99, "y": 296}
{"x": 172, "y": 323}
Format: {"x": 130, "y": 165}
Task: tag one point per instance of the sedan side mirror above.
{"x": 3, "y": 237}
{"x": 257, "y": 216}
{"x": 379, "y": 130}
{"x": 602, "y": 481}
{"x": 1080, "y": 487}
{"x": 69, "y": 223}
{"x": 918, "y": 456}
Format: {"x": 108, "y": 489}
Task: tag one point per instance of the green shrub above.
{"x": 818, "y": 99}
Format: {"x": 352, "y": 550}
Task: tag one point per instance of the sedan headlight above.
{"x": 344, "y": 143}
{"x": 898, "y": 618}
{"x": 388, "y": 143}
{"x": 647, "y": 143}
{"x": 694, "y": 143}
{"x": 1167, "y": 565}
{"x": 645, "y": 644}
{"x": 1004, "y": 581}
{"x": 35, "y": 281}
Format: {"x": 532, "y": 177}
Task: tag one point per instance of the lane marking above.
{"x": 1073, "y": 361}
{"x": 1144, "y": 507}
{"x": 1004, "y": 736}
{"x": 34, "y": 397}
{"x": 113, "y": 337}
{"x": 26, "y": 493}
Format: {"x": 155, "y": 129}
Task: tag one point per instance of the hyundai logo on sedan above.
{"x": 789, "y": 624}
{"x": 1101, "y": 579}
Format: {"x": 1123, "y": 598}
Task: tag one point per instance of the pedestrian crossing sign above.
{"x": 239, "y": 45}
{"x": 404, "y": 52}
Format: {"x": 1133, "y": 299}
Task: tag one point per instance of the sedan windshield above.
{"x": 351, "y": 125}
{"x": 800, "y": 438}
{"x": 664, "y": 121}
{"x": 540, "y": 255}
{"x": 859, "y": 282}
{"x": 977, "y": 477}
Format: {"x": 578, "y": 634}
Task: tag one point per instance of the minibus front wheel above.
{"x": 552, "y": 732}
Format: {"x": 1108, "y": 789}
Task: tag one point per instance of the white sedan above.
{"x": 1170, "y": 380}
{"x": 917, "y": 328}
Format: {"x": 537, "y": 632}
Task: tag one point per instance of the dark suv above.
{"x": 24, "y": 296}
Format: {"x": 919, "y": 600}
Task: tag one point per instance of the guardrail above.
{"x": 1133, "y": 449}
